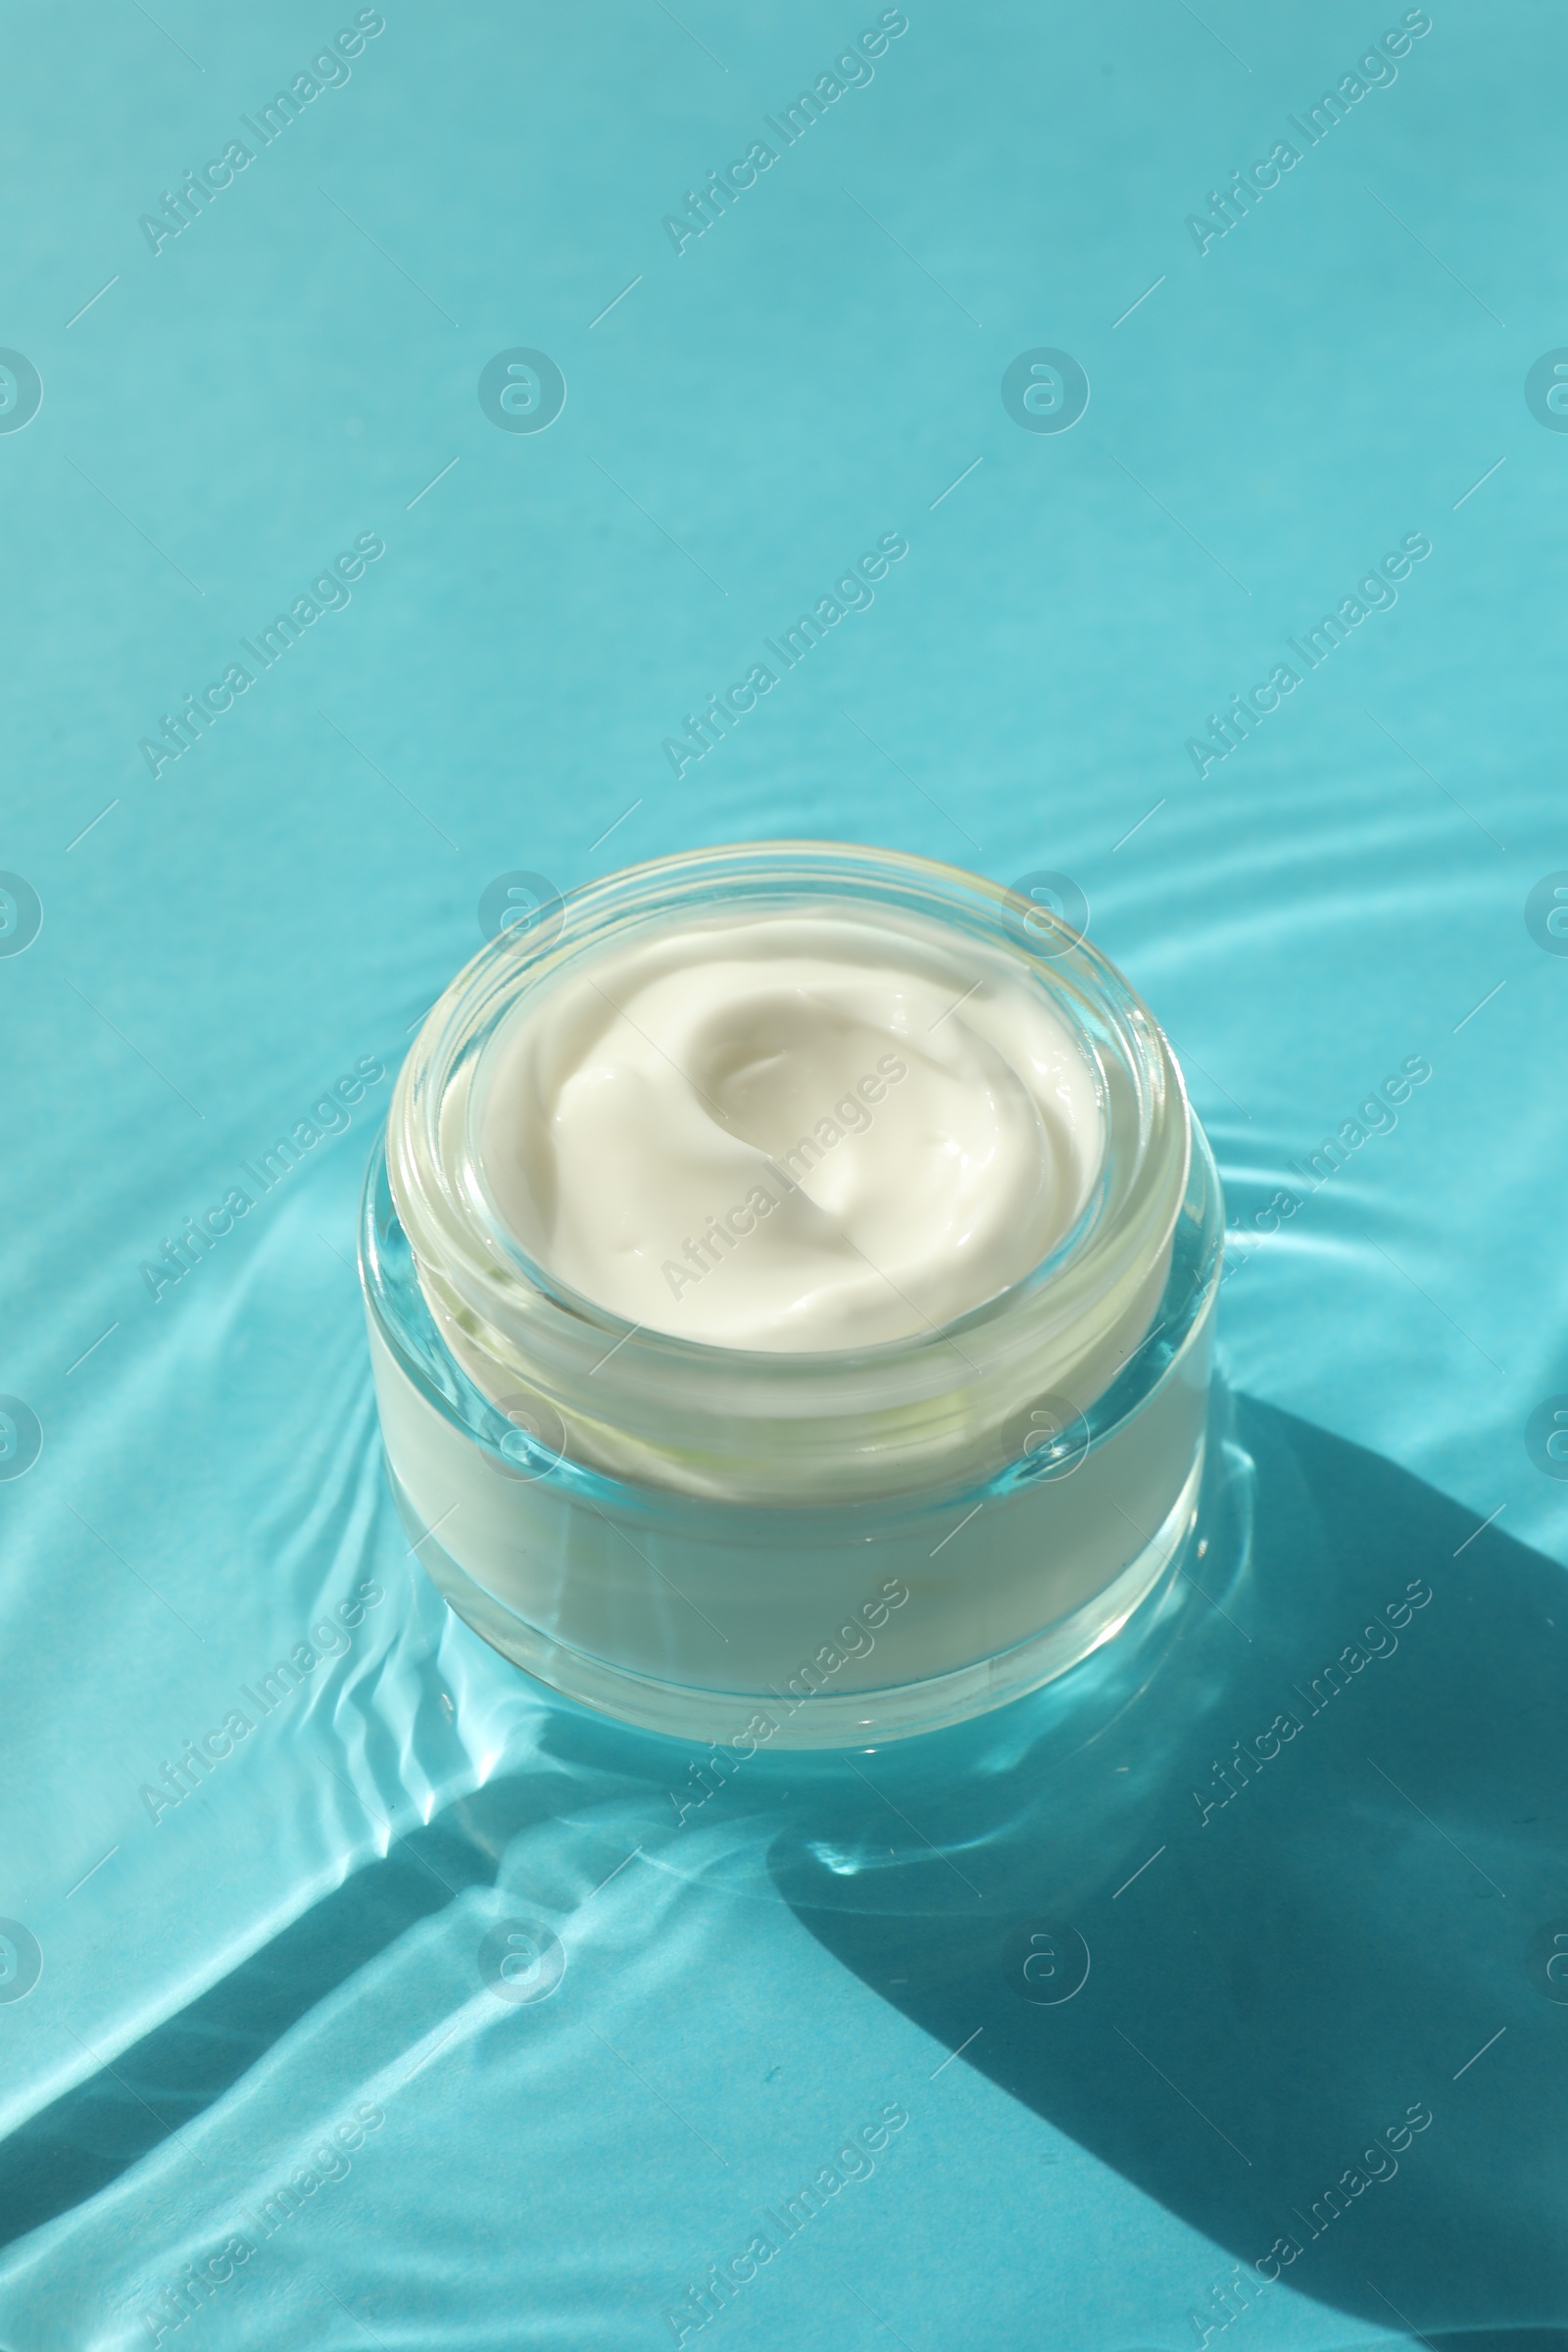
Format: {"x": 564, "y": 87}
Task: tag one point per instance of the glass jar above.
{"x": 796, "y": 1550}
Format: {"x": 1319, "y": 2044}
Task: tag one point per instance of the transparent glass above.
{"x": 802, "y": 1550}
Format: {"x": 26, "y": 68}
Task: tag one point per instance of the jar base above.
{"x": 825, "y": 1719}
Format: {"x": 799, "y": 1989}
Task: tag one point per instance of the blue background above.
{"x": 219, "y": 944}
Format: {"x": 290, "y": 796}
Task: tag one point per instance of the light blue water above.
{"x": 309, "y": 1939}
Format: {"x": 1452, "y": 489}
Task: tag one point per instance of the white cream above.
{"x": 800, "y": 1107}
{"x": 788, "y": 1133}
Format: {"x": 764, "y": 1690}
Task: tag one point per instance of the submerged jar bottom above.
{"x": 808, "y": 1710}
{"x": 810, "y": 1628}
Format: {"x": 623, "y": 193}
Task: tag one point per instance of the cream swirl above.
{"x": 792, "y": 1133}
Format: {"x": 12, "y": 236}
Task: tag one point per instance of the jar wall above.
{"x": 875, "y": 1618}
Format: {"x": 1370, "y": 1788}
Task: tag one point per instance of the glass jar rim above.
{"x": 624, "y": 1385}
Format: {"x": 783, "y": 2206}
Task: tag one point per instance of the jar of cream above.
{"x": 790, "y": 1273}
